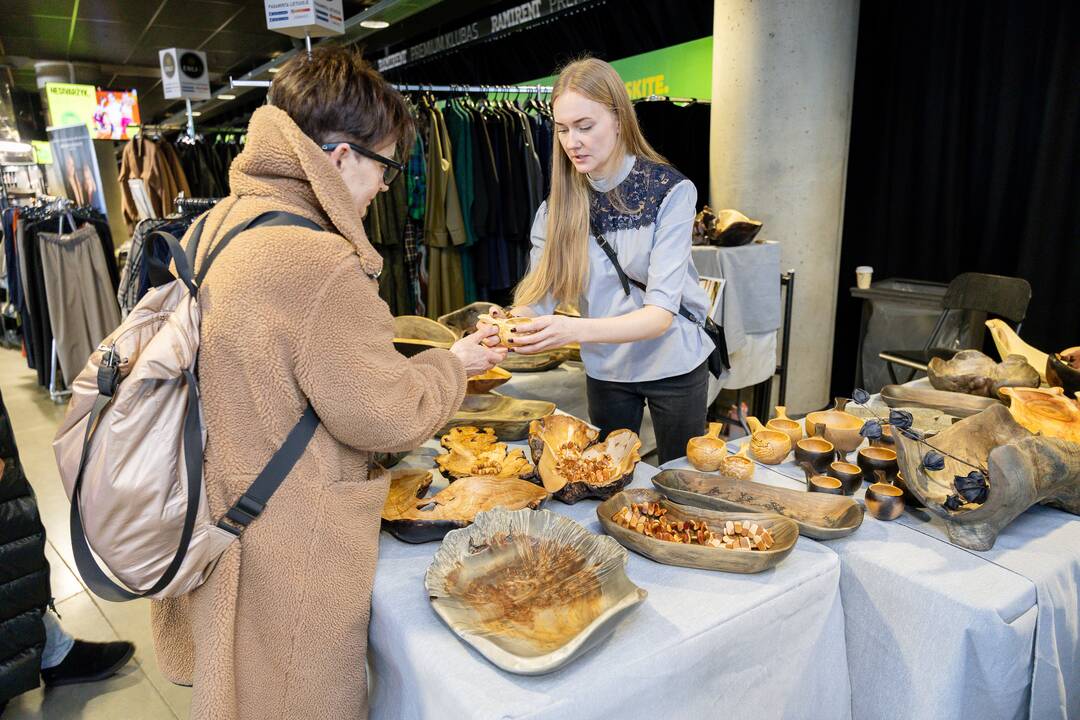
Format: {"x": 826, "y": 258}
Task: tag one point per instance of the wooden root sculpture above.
{"x": 971, "y": 372}
{"x": 1024, "y": 470}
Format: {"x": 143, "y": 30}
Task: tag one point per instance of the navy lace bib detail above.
{"x": 642, "y": 193}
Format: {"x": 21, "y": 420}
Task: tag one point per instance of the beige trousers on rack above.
{"x": 82, "y": 306}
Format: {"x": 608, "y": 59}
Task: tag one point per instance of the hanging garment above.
{"x": 147, "y": 160}
{"x": 444, "y": 229}
{"x": 82, "y": 306}
{"x": 461, "y": 143}
{"x": 385, "y": 227}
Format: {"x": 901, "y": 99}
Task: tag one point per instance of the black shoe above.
{"x": 89, "y": 662}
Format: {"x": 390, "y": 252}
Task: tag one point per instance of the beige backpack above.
{"x": 130, "y": 449}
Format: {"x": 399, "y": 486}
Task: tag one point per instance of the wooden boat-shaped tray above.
{"x": 784, "y": 531}
{"x": 956, "y": 404}
{"x": 510, "y": 417}
{"x": 530, "y": 590}
{"x": 819, "y": 516}
{"x": 411, "y": 517}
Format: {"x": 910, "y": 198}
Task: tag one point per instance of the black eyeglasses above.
{"x": 393, "y": 167}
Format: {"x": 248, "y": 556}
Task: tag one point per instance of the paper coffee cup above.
{"x": 863, "y": 275}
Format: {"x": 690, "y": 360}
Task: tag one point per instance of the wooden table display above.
{"x": 660, "y": 659}
{"x": 1002, "y": 622}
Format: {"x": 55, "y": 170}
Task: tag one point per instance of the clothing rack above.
{"x": 535, "y": 89}
{"x": 668, "y": 98}
{"x": 63, "y": 207}
{"x": 194, "y": 206}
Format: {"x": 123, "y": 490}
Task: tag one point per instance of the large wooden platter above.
{"x": 819, "y": 516}
{"x": 510, "y": 417}
{"x": 411, "y": 516}
{"x": 530, "y": 590}
{"x": 416, "y": 327}
{"x": 952, "y": 403}
{"x": 784, "y": 531}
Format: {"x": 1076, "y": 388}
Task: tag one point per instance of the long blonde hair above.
{"x": 564, "y": 264}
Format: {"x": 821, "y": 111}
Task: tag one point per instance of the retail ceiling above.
{"x": 115, "y": 43}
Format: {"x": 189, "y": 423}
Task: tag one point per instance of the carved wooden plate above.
{"x": 530, "y": 590}
{"x": 785, "y": 532}
{"x": 819, "y": 516}
{"x": 411, "y": 516}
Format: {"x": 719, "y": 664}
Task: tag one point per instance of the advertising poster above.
{"x": 678, "y": 71}
{"x": 76, "y": 164}
{"x": 71, "y": 104}
{"x": 117, "y": 114}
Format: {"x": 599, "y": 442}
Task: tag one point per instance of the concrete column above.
{"x": 783, "y": 75}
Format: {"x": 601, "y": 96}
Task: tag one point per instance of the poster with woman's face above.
{"x": 74, "y": 158}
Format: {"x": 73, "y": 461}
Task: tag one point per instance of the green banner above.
{"x": 683, "y": 71}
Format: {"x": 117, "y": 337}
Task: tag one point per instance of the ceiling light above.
{"x": 226, "y": 97}
{"x": 374, "y": 24}
{"x": 196, "y": 113}
{"x": 274, "y": 70}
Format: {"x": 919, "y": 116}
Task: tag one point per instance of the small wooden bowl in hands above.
{"x": 506, "y": 326}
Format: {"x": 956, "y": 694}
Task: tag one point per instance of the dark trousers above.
{"x": 677, "y": 404}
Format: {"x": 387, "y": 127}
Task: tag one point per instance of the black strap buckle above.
{"x": 242, "y": 514}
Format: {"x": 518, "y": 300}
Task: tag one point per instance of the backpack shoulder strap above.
{"x": 267, "y": 219}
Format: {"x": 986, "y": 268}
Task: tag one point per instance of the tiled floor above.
{"x": 139, "y": 692}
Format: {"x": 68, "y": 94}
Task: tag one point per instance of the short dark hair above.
{"x": 336, "y": 92}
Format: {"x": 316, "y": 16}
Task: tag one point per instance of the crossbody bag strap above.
{"x": 626, "y": 280}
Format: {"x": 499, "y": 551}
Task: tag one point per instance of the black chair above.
{"x": 995, "y": 295}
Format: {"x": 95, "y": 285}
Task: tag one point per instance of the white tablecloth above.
{"x": 935, "y": 630}
{"x": 703, "y": 644}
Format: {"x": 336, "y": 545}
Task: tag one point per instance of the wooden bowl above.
{"x": 821, "y": 483}
{"x": 737, "y": 466}
{"x": 817, "y": 451}
{"x": 507, "y": 327}
{"x": 824, "y": 484}
{"x": 785, "y": 532}
{"x": 416, "y": 327}
{"x": 850, "y": 475}
{"x": 530, "y": 590}
{"x": 486, "y": 382}
{"x": 819, "y": 516}
{"x": 792, "y": 428}
{"x": 871, "y": 459}
{"x": 884, "y": 501}
{"x": 1063, "y": 371}
{"x": 510, "y": 417}
{"x": 838, "y": 427}
{"x": 706, "y": 453}
{"x": 770, "y": 447}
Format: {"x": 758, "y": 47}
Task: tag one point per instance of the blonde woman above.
{"x": 608, "y": 184}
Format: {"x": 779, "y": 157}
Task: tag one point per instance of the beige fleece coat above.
{"x": 291, "y": 315}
